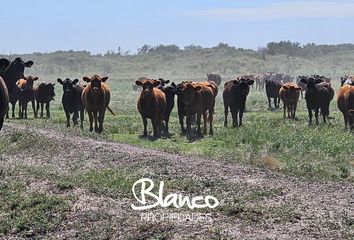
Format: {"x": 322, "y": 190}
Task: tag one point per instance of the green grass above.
{"x": 35, "y": 212}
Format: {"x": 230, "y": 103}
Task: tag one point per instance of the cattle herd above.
{"x": 157, "y": 98}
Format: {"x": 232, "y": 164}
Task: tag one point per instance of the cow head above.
{"x": 4, "y": 64}
{"x": 26, "y": 83}
{"x": 148, "y": 84}
{"x": 50, "y": 90}
{"x": 310, "y": 82}
{"x": 68, "y": 84}
{"x": 243, "y": 85}
{"x": 13, "y": 72}
{"x": 190, "y": 91}
{"x": 163, "y": 82}
{"x": 95, "y": 82}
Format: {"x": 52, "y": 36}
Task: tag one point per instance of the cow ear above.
{"x": 298, "y": 88}
{"x": 173, "y": 84}
{"x": 157, "y": 83}
{"x": 35, "y": 78}
{"x": 303, "y": 80}
{"x": 235, "y": 82}
{"x": 139, "y": 83}
{"x": 86, "y": 79}
{"x": 250, "y": 82}
{"x": 60, "y": 81}
{"x": 28, "y": 64}
{"x": 53, "y": 84}
{"x": 167, "y": 81}
{"x": 104, "y": 79}
{"x": 75, "y": 81}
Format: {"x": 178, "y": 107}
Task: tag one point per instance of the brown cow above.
{"x": 199, "y": 98}
{"x": 289, "y": 94}
{"x": 151, "y": 104}
{"x": 25, "y": 95}
{"x": 4, "y": 101}
{"x": 345, "y": 103}
{"x": 95, "y": 98}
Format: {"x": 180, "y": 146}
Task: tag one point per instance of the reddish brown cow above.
{"x": 151, "y": 104}
{"x": 289, "y": 94}
{"x": 95, "y": 98}
{"x": 199, "y": 98}
{"x": 345, "y": 103}
{"x": 25, "y": 95}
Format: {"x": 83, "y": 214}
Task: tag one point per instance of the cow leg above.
{"x": 1, "y": 122}
{"x": 310, "y": 115}
{"x": 226, "y": 112}
{"x": 81, "y": 119}
{"x": 145, "y": 126}
{"x": 67, "y": 118}
{"x": 345, "y": 116}
{"x": 269, "y": 103}
{"x": 13, "y": 110}
{"x": 33, "y": 108}
{"x": 205, "y": 122}
{"x": 240, "y": 114}
{"x": 100, "y": 120}
{"x": 41, "y": 115}
{"x": 189, "y": 123}
{"x": 316, "y": 115}
{"x": 90, "y": 114}
{"x": 211, "y": 119}
{"x": 37, "y": 109}
{"x": 275, "y": 103}
{"x": 19, "y": 110}
{"x": 75, "y": 116}
{"x": 181, "y": 122}
{"x": 278, "y": 102}
{"x": 96, "y": 121}
{"x": 324, "y": 114}
{"x": 47, "y": 106}
{"x": 351, "y": 123}
{"x": 284, "y": 106}
{"x": 199, "y": 116}
{"x": 155, "y": 127}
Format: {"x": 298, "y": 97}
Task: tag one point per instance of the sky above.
{"x": 97, "y": 26}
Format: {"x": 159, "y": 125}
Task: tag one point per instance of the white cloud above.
{"x": 281, "y": 10}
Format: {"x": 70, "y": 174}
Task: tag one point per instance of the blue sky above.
{"x": 101, "y": 25}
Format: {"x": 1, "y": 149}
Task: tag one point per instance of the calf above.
{"x": 345, "y": 103}
{"x": 71, "y": 100}
{"x": 4, "y": 101}
{"x": 199, "y": 98}
{"x": 151, "y": 105}
{"x": 234, "y": 96}
{"x": 318, "y": 96}
{"x": 44, "y": 94}
{"x": 95, "y": 98}
{"x": 25, "y": 94}
{"x": 272, "y": 90}
{"x": 289, "y": 94}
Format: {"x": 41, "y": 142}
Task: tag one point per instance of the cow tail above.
{"x": 351, "y": 112}
{"x": 111, "y": 111}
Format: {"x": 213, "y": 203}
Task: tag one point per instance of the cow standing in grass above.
{"x": 318, "y": 96}
{"x": 345, "y": 103}
{"x": 234, "y": 96}
{"x": 25, "y": 95}
{"x": 215, "y": 78}
{"x": 289, "y": 94}
{"x": 199, "y": 98}
{"x": 272, "y": 90}
{"x": 95, "y": 98}
{"x": 44, "y": 94}
{"x": 11, "y": 72}
{"x": 151, "y": 105}
{"x": 71, "y": 100}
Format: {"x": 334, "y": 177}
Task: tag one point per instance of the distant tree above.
{"x": 144, "y": 49}
{"x": 192, "y": 48}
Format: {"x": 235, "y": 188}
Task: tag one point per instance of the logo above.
{"x": 149, "y": 200}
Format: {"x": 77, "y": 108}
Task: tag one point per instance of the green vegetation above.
{"x": 266, "y": 139}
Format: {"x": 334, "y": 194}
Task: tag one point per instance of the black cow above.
{"x": 72, "y": 101}
{"x": 272, "y": 90}
{"x": 318, "y": 96}
{"x": 234, "y": 96}
{"x": 170, "y": 92}
{"x": 11, "y": 72}
{"x": 44, "y": 94}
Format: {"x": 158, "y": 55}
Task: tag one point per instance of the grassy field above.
{"x": 265, "y": 139}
